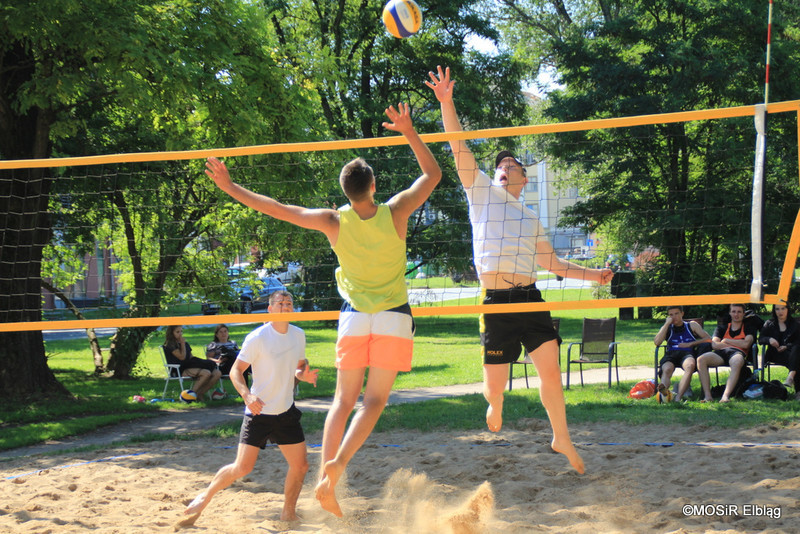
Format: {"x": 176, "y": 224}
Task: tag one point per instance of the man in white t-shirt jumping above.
{"x": 276, "y": 354}
{"x": 509, "y": 245}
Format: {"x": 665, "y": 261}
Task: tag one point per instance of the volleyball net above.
{"x": 672, "y": 202}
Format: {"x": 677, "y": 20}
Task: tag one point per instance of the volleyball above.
{"x": 187, "y": 395}
{"x": 402, "y": 18}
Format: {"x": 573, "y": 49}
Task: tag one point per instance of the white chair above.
{"x": 173, "y": 371}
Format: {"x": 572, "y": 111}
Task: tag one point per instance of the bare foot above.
{"x": 725, "y": 399}
{"x": 494, "y": 416}
{"x": 568, "y": 449}
{"x": 324, "y": 492}
{"x": 197, "y": 505}
{"x": 194, "y": 510}
{"x": 289, "y": 516}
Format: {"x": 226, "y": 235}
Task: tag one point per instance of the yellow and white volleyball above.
{"x": 402, "y": 18}
{"x": 664, "y": 397}
{"x": 187, "y": 395}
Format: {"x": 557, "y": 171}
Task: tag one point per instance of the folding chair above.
{"x": 526, "y": 360}
{"x": 766, "y": 363}
{"x": 598, "y": 345}
{"x": 173, "y": 371}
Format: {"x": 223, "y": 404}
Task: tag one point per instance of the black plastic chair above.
{"x": 598, "y": 345}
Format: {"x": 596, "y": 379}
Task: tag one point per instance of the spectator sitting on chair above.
{"x": 684, "y": 340}
{"x": 731, "y": 344}
{"x": 204, "y": 372}
{"x": 781, "y": 334}
{"x": 223, "y": 350}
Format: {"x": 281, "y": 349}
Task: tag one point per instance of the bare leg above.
{"x": 689, "y": 366}
{"x": 348, "y": 388}
{"x": 376, "y": 394}
{"x": 495, "y": 378}
{"x": 736, "y": 362}
{"x": 545, "y": 358}
{"x": 211, "y": 379}
{"x": 298, "y": 467}
{"x": 666, "y": 373}
{"x": 245, "y": 460}
{"x": 704, "y": 361}
{"x": 201, "y": 377}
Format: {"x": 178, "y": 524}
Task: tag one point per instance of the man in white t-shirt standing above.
{"x": 276, "y": 354}
{"x": 509, "y": 246}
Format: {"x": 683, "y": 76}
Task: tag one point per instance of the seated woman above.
{"x": 781, "y": 334}
{"x": 223, "y": 350}
{"x": 204, "y": 372}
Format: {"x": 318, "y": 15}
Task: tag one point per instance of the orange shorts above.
{"x": 384, "y": 339}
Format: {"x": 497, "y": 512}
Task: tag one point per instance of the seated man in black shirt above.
{"x": 731, "y": 344}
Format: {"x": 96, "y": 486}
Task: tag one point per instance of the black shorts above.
{"x": 728, "y": 353}
{"x": 676, "y": 358}
{"x": 281, "y": 429}
{"x": 504, "y": 334}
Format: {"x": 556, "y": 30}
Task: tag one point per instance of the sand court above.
{"x": 665, "y": 479}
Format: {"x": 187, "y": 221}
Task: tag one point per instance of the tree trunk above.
{"x": 94, "y": 345}
{"x": 126, "y": 345}
{"x": 24, "y": 231}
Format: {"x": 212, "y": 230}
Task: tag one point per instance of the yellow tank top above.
{"x": 372, "y": 261}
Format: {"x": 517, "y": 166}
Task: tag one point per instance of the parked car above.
{"x": 251, "y": 296}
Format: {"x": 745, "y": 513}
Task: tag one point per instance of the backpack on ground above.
{"x": 746, "y": 379}
{"x": 774, "y": 389}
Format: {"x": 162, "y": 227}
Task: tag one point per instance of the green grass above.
{"x": 447, "y": 351}
{"x": 592, "y": 404}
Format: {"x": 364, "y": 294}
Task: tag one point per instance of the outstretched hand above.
{"x": 605, "y": 276}
{"x": 441, "y": 84}
{"x": 401, "y": 119}
{"x": 217, "y": 171}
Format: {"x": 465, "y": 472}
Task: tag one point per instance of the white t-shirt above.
{"x": 273, "y": 358}
{"x": 504, "y": 231}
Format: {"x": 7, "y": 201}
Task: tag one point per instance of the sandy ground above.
{"x": 654, "y": 478}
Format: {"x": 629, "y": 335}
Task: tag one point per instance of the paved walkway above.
{"x": 184, "y": 422}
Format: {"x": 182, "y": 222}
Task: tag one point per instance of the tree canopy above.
{"x": 83, "y": 78}
{"x": 683, "y": 189}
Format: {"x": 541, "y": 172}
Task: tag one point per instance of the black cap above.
{"x": 506, "y": 154}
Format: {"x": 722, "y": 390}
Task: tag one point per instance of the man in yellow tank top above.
{"x": 375, "y": 326}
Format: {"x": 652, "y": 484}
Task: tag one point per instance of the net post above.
{"x": 757, "y": 209}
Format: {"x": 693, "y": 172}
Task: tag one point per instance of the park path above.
{"x": 184, "y": 422}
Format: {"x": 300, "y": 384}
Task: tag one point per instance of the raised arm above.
{"x": 663, "y": 332}
{"x": 322, "y": 220}
{"x": 405, "y": 202}
{"x": 442, "y": 86}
